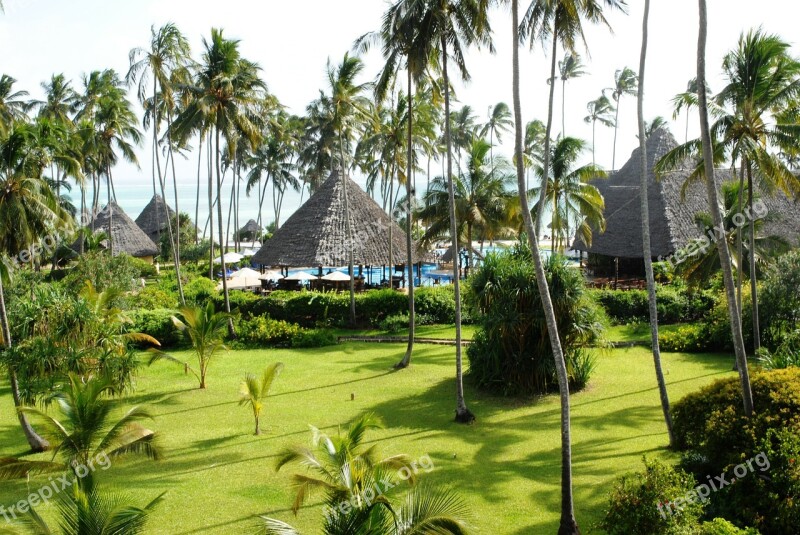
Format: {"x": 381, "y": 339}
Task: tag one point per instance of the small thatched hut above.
{"x": 126, "y": 236}
{"x": 672, "y": 214}
{"x": 316, "y": 234}
{"x": 250, "y": 231}
{"x": 154, "y": 217}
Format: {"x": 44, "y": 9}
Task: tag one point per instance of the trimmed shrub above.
{"x": 720, "y": 526}
{"x": 436, "y": 303}
{"x": 779, "y": 300}
{"x": 314, "y": 338}
{"x": 157, "y": 323}
{"x": 199, "y": 290}
{"x": 640, "y": 503}
{"x": 688, "y": 338}
{"x": 675, "y": 303}
{"x": 394, "y": 324}
{"x": 266, "y": 332}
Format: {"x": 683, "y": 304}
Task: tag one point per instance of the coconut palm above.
{"x": 87, "y": 431}
{"x": 168, "y": 52}
{"x": 446, "y": 29}
{"x": 686, "y": 100}
{"x": 716, "y": 213}
{"x": 205, "y": 330}
{"x": 532, "y": 148}
{"x": 88, "y": 511}
{"x": 28, "y": 211}
{"x": 645, "y": 213}
{"x": 499, "y": 122}
{"x": 12, "y": 106}
{"x": 600, "y": 110}
{"x": 253, "y": 392}
{"x": 570, "y": 67}
{"x": 561, "y": 22}
{"x": 570, "y": 197}
{"x": 625, "y": 83}
{"x": 224, "y": 86}
{"x": 61, "y": 100}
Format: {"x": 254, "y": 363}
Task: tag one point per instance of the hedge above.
{"x": 675, "y": 304}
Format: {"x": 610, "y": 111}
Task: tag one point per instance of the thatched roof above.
{"x": 249, "y": 231}
{"x": 447, "y": 256}
{"x": 153, "y": 219}
{"x": 672, "y": 215}
{"x": 126, "y": 236}
{"x": 316, "y": 234}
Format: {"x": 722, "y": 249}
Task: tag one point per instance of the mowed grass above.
{"x": 506, "y": 466}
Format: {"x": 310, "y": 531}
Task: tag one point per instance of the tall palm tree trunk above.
{"x": 753, "y": 285}
{"x": 463, "y": 414}
{"x": 177, "y": 238}
{"x": 110, "y": 211}
{"x": 647, "y": 254}
{"x": 409, "y": 216}
{"x": 594, "y": 124}
{"x": 210, "y": 218}
{"x": 711, "y": 191}
{"x": 36, "y": 442}
{"x": 567, "y": 525}
{"x": 231, "y": 332}
{"x": 614, "y": 150}
{"x": 349, "y": 230}
{"x": 197, "y": 191}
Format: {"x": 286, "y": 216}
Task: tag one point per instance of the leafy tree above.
{"x": 253, "y": 392}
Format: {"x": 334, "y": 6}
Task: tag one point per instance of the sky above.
{"x": 293, "y": 40}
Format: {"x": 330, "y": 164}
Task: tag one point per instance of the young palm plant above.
{"x": 205, "y": 328}
{"x": 253, "y": 391}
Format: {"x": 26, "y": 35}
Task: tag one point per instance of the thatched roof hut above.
{"x": 316, "y": 235}
{"x": 250, "y": 231}
{"x": 672, "y": 215}
{"x": 153, "y": 219}
{"x": 126, "y": 236}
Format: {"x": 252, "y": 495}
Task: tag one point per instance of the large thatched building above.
{"x": 672, "y": 214}
{"x": 316, "y": 234}
{"x": 126, "y": 236}
{"x": 154, "y": 217}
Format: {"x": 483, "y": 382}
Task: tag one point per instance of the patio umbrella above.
{"x": 230, "y": 258}
{"x": 246, "y": 272}
{"x": 242, "y": 283}
{"x": 247, "y": 253}
{"x": 301, "y": 276}
{"x": 336, "y": 276}
{"x": 271, "y": 275}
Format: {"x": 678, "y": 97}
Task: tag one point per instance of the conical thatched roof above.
{"x": 126, "y": 236}
{"x": 249, "y": 231}
{"x": 672, "y": 215}
{"x": 316, "y": 234}
{"x": 153, "y": 219}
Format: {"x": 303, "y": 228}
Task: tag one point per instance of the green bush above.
{"x": 675, "y": 304}
{"x": 717, "y": 324}
{"x": 151, "y": 298}
{"x": 143, "y": 267}
{"x": 157, "y": 323}
{"x": 511, "y": 353}
{"x": 266, "y": 332}
{"x": 642, "y": 503}
{"x": 436, "y": 303}
{"x": 395, "y": 323}
{"x": 199, "y": 290}
{"x": 779, "y": 300}
{"x": 786, "y": 355}
{"x": 121, "y": 272}
{"x": 720, "y": 526}
{"x": 314, "y": 338}
{"x": 687, "y": 338}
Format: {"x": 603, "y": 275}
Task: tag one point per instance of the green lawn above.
{"x": 444, "y": 332}
{"x": 506, "y": 466}
{"x": 635, "y": 332}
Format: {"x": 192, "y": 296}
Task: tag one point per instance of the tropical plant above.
{"x": 570, "y": 196}
{"x": 87, "y": 431}
{"x": 686, "y": 100}
{"x": 253, "y": 391}
{"x": 645, "y": 214}
{"x": 562, "y": 23}
{"x": 12, "y": 106}
{"x": 499, "y": 122}
{"x": 625, "y": 83}
{"x": 600, "y": 110}
{"x": 570, "y": 67}
{"x": 205, "y": 330}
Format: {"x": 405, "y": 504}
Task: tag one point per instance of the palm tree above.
{"x": 711, "y": 191}
{"x": 28, "y": 211}
{"x": 601, "y": 110}
{"x": 646, "y": 251}
{"x": 205, "y": 330}
{"x": 253, "y": 392}
{"x": 625, "y": 81}
{"x": 464, "y": 128}
{"x": 499, "y": 122}
{"x": 481, "y": 198}
{"x": 658, "y": 123}
{"x": 84, "y": 511}
{"x": 224, "y": 86}
{"x": 561, "y": 21}
{"x": 168, "y": 53}
{"x": 446, "y": 29}
{"x": 61, "y": 100}
{"x": 12, "y": 106}
{"x": 87, "y": 432}
{"x": 569, "y": 194}
{"x": 686, "y": 100}
{"x": 532, "y": 151}
{"x": 570, "y": 67}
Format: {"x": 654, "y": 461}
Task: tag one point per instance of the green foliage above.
{"x": 253, "y": 392}
{"x": 314, "y": 338}
{"x": 199, "y": 290}
{"x": 635, "y": 498}
{"x": 394, "y": 323}
{"x": 144, "y": 268}
{"x": 787, "y": 353}
{"x": 676, "y": 304}
{"x": 779, "y": 300}
{"x": 121, "y": 272}
{"x": 511, "y": 350}
{"x": 688, "y": 338}
{"x": 156, "y": 322}
{"x": 717, "y": 324}
{"x": 240, "y": 301}
{"x": 261, "y": 331}
{"x": 720, "y": 526}
{"x": 437, "y": 303}
{"x": 150, "y": 298}
{"x": 196, "y": 253}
